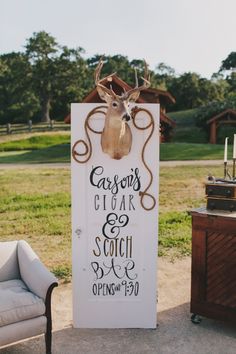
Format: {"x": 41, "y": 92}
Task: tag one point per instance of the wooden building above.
{"x": 226, "y": 117}
{"x": 149, "y": 95}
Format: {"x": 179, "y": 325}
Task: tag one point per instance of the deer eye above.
{"x": 114, "y": 104}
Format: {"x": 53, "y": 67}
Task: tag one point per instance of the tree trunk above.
{"x": 45, "y": 115}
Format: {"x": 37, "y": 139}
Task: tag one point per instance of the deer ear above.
{"x": 134, "y": 96}
{"x": 103, "y": 94}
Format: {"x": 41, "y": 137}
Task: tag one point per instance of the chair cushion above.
{"x": 17, "y": 303}
{"x": 9, "y": 268}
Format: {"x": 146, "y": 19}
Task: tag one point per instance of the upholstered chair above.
{"x": 25, "y": 294}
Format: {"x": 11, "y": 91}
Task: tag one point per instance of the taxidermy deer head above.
{"x": 116, "y": 139}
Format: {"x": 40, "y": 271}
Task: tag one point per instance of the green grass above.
{"x": 170, "y": 151}
{"x": 174, "y": 234}
{"x": 52, "y": 154}
{"x": 35, "y": 205}
{"x": 55, "y": 147}
{"x": 187, "y": 151}
{"x": 43, "y": 148}
{"x": 186, "y": 130}
{"x": 62, "y": 272}
{"x": 35, "y": 142}
{"x": 181, "y": 189}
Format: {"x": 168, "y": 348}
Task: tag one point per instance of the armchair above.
{"x": 25, "y": 294}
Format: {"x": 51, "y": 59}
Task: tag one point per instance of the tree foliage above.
{"x": 57, "y": 74}
{"x": 191, "y": 91}
{"x": 227, "y": 99}
{"x": 228, "y": 66}
{"x": 16, "y": 96}
{"x": 72, "y": 81}
{"x": 41, "y": 82}
{"x": 163, "y": 76}
{"x": 229, "y": 63}
{"x": 118, "y": 64}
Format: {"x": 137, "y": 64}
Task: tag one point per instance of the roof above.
{"x": 157, "y": 93}
{"x": 118, "y": 85}
{"x": 230, "y": 112}
{"x": 166, "y": 119}
{"x": 150, "y": 95}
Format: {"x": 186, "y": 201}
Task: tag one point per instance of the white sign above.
{"x": 114, "y": 222}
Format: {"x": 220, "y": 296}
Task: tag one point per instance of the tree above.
{"x": 192, "y": 91}
{"x": 185, "y": 89}
{"x": 229, "y": 66}
{"x": 59, "y": 74}
{"x": 72, "y": 81}
{"x": 45, "y": 79}
{"x": 210, "y": 90}
{"x": 231, "y": 79}
{"x": 229, "y": 63}
{"x": 163, "y": 76}
{"x": 18, "y": 102}
{"x": 41, "y": 50}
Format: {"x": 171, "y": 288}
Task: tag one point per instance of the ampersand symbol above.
{"x": 111, "y": 229}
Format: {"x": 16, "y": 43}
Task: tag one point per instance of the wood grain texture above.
{"x": 213, "y": 282}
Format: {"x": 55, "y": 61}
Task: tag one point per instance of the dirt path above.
{"x": 175, "y": 333}
{"x": 67, "y": 165}
{"x": 191, "y": 163}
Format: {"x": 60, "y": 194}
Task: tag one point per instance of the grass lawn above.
{"x": 186, "y": 129}
{"x": 169, "y": 151}
{"x": 52, "y": 154}
{"x": 43, "y": 148}
{"x": 56, "y": 148}
{"x": 35, "y": 206}
{"x": 35, "y": 142}
{"x": 188, "y": 151}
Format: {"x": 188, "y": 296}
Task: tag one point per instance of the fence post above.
{"x": 51, "y": 124}
{"x": 30, "y": 125}
{"x": 8, "y": 128}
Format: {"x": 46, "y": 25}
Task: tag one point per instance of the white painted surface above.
{"x": 132, "y": 249}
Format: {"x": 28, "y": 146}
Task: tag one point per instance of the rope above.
{"x": 144, "y": 194}
{"x": 88, "y": 146}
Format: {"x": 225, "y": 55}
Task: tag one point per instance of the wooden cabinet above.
{"x": 213, "y": 281}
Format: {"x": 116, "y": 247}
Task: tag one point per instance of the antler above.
{"x": 146, "y": 81}
{"x": 98, "y": 80}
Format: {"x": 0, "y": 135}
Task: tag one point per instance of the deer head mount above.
{"x": 116, "y": 139}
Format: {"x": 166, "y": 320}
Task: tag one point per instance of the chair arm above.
{"x": 35, "y": 275}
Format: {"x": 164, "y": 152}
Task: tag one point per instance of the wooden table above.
{"x": 213, "y": 281}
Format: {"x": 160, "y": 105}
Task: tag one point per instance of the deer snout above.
{"x": 126, "y": 117}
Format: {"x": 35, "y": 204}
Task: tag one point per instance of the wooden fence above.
{"x": 33, "y": 127}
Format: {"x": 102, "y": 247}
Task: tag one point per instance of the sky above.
{"x": 188, "y": 35}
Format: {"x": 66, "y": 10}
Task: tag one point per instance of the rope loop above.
{"x": 151, "y": 125}
{"x": 142, "y": 196}
{"x": 87, "y": 144}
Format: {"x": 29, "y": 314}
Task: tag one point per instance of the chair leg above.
{"x": 48, "y": 342}
{"x": 48, "y": 334}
